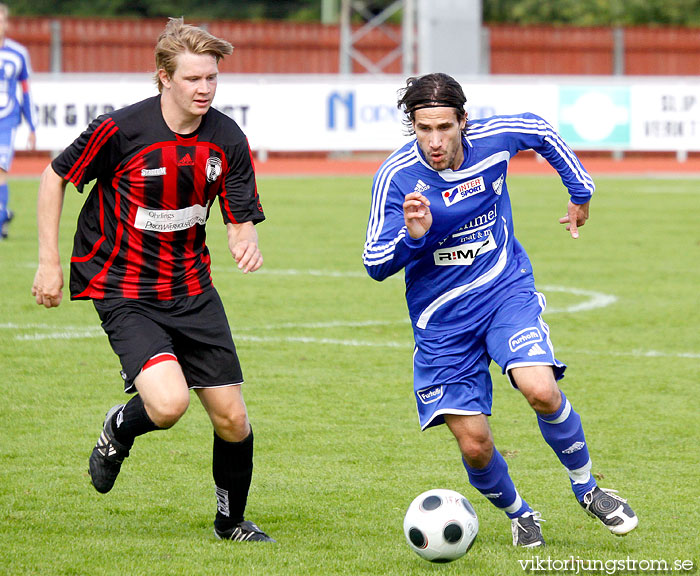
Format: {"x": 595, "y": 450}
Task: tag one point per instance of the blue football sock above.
{"x": 4, "y": 199}
{"x": 494, "y": 482}
{"x": 564, "y": 434}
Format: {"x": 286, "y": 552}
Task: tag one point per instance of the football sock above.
{"x": 4, "y": 199}
{"x": 494, "y": 482}
{"x": 132, "y": 421}
{"x": 232, "y": 466}
{"x": 564, "y": 434}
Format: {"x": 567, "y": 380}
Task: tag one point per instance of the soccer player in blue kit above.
{"x": 441, "y": 210}
{"x": 14, "y": 81}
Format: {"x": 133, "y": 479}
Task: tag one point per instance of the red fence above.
{"x": 94, "y": 45}
{"x": 548, "y": 50}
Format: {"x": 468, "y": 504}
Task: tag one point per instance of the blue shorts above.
{"x": 7, "y": 148}
{"x": 451, "y": 367}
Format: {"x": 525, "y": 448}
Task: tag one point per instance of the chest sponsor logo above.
{"x": 170, "y": 220}
{"x": 213, "y": 169}
{"x": 145, "y": 173}
{"x": 481, "y": 222}
{"x": 525, "y": 337}
{"x": 430, "y": 395}
{"x": 463, "y": 191}
{"x": 464, "y": 254}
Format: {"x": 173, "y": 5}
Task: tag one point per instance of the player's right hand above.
{"x": 417, "y": 215}
{"x": 48, "y": 286}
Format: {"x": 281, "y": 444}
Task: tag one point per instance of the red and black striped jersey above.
{"x": 141, "y": 232}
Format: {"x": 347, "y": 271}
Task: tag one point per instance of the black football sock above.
{"x": 132, "y": 421}
{"x": 232, "y": 466}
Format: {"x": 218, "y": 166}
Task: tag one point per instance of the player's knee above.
{"x": 477, "y": 450}
{"x": 168, "y": 411}
{"x": 233, "y": 426}
{"x": 544, "y": 397}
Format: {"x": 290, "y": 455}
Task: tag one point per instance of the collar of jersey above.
{"x": 469, "y": 170}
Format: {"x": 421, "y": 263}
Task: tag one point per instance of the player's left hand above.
{"x": 576, "y": 216}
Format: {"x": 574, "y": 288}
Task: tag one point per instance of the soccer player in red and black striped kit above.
{"x": 139, "y": 253}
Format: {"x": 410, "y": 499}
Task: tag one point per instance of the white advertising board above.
{"x": 345, "y": 113}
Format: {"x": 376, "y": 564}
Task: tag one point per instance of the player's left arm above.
{"x": 28, "y": 113}
{"x": 541, "y": 137}
{"x": 243, "y": 244}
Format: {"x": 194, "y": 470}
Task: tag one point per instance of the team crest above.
{"x": 213, "y": 168}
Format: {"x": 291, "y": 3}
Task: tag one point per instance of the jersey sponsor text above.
{"x": 464, "y": 254}
{"x": 464, "y": 190}
{"x": 170, "y": 220}
{"x": 525, "y": 338}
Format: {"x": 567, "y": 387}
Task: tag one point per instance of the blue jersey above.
{"x": 456, "y": 273}
{"x": 14, "y": 71}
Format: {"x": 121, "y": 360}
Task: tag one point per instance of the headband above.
{"x": 435, "y": 104}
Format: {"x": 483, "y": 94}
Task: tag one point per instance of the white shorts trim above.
{"x": 523, "y": 365}
{"x": 450, "y": 411}
{"x": 217, "y": 386}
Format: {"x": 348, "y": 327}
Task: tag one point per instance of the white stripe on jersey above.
{"x": 376, "y": 221}
{"x": 460, "y": 290}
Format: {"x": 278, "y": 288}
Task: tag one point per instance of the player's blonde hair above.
{"x": 178, "y": 38}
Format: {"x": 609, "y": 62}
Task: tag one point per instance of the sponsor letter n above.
{"x": 337, "y": 100}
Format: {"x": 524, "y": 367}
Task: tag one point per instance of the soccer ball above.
{"x": 440, "y": 525}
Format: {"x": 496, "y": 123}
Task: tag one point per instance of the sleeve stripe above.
{"x": 381, "y": 189}
{"x": 103, "y": 133}
{"x": 539, "y": 127}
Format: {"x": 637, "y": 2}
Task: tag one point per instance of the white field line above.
{"x": 76, "y": 333}
{"x": 592, "y": 300}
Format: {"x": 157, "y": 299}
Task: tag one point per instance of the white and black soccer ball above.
{"x": 440, "y": 525}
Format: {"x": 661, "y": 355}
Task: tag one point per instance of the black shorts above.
{"x": 193, "y": 328}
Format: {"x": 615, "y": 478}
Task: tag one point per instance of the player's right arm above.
{"x": 390, "y": 244}
{"x": 416, "y": 215}
{"x": 48, "y": 281}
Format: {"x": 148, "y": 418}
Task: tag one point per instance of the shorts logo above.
{"x": 213, "y": 169}
{"x": 464, "y": 190}
{"x": 430, "y": 395}
{"x": 464, "y": 254}
{"x": 524, "y": 338}
{"x": 575, "y": 447}
{"x": 536, "y": 350}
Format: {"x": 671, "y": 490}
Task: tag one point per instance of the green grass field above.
{"x": 326, "y": 352}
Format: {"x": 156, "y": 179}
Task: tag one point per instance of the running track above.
{"x": 31, "y": 165}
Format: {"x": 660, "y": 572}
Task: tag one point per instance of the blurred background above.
{"x": 313, "y": 76}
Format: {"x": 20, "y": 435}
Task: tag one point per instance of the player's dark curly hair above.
{"x": 430, "y": 91}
